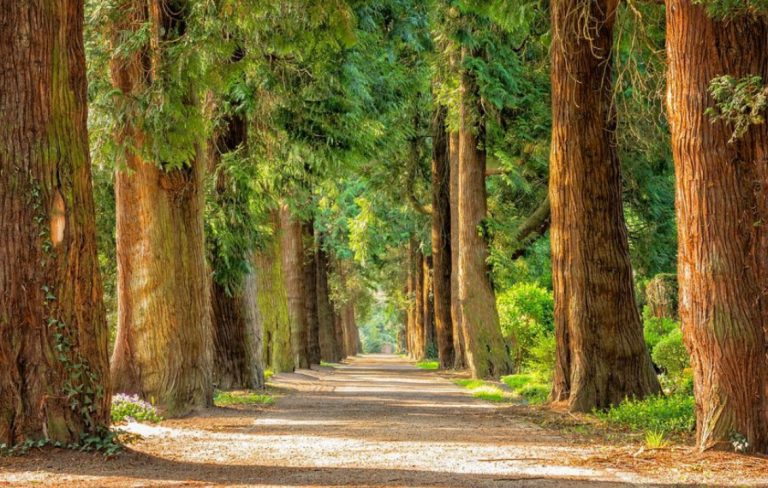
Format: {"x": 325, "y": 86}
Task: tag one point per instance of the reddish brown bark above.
{"x": 721, "y": 204}
{"x": 52, "y": 322}
{"x": 441, "y": 241}
{"x": 430, "y": 334}
{"x": 485, "y": 351}
{"x": 311, "y": 308}
{"x": 164, "y": 345}
{"x": 601, "y": 355}
{"x": 330, "y": 349}
{"x": 293, "y": 274}
{"x": 418, "y": 332}
{"x": 458, "y": 333}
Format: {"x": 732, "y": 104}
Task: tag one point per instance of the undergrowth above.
{"x": 428, "y": 364}
{"x": 486, "y": 391}
{"x": 242, "y": 397}
{"x": 671, "y": 414}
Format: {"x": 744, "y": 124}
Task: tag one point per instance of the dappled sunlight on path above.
{"x": 373, "y": 421}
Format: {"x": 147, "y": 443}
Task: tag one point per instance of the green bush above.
{"x": 656, "y": 328}
{"x": 131, "y": 407}
{"x": 529, "y": 386}
{"x": 670, "y": 354}
{"x": 542, "y": 357}
{"x": 526, "y": 313}
{"x": 672, "y": 414}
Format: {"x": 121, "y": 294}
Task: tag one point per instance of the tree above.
{"x": 330, "y": 349}
{"x": 293, "y": 273}
{"x": 601, "y": 356}
{"x": 311, "y": 298}
{"x": 53, "y": 354}
{"x": 164, "y": 349}
{"x": 721, "y": 207}
{"x": 485, "y": 352}
{"x": 453, "y": 170}
{"x": 441, "y": 239}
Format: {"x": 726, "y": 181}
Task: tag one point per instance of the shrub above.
{"x": 674, "y": 413}
{"x": 656, "y": 328}
{"x": 529, "y": 386}
{"x": 131, "y": 407}
{"x": 542, "y": 357}
{"x": 670, "y": 354}
{"x": 526, "y": 313}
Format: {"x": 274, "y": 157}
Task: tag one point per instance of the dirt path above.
{"x": 376, "y": 421}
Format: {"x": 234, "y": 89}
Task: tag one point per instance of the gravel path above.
{"x": 374, "y": 421}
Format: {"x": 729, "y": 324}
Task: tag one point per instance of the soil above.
{"x": 376, "y": 420}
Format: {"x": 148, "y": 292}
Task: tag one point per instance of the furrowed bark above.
{"x": 485, "y": 351}
{"x": 293, "y": 273}
{"x": 329, "y": 347}
{"x": 458, "y": 332}
{"x": 52, "y": 319}
{"x": 601, "y": 355}
{"x": 164, "y": 345}
{"x": 721, "y": 206}
{"x": 441, "y": 240}
{"x": 311, "y": 310}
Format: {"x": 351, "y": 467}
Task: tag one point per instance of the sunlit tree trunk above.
{"x": 293, "y": 273}
{"x": 329, "y": 347}
{"x": 722, "y": 210}
{"x": 273, "y": 303}
{"x": 418, "y": 330}
{"x": 430, "y": 334}
{"x": 164, "y": 345}
{"x": 52, "y": 322}
{"x": 458, "y": 333}
{"x": 601, "y": 355}
{"x": 441, "y": 240}
{"x": 311, "y": 309}
{"x": 485, "y": 351}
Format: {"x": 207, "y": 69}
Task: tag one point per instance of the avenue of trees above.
{"x": 196, "y": 192}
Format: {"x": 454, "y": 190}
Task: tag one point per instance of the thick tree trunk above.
{"x": 273, "y": 304}
{"x": 441, "y": 240}
{"x": 164, "y": 345}
{"x": 237, "y": 337}
{"x": 453, "y": 173}
{"x": 601, "y": 355}
{"x": 293, "y": 273}
{"x": 721, "y": 206}
{"x": 485, "y": 351}
{"x": 311, "y": 309}
{"x": 349, "y": 324}
{"x": 329, "y": 347}
{"x": 418, "y": 330}
{"x": 53, "y": 353}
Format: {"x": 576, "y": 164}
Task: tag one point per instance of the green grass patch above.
{"x": 428, "y": 364}
{"x": 268, "y": 373}
{"x": 241, "y": 397}
{"x": 486, "y": 391}
{"x": 528, "y": 386}
{"x": 672, "y": 414}
{"x": 329, "y": 365}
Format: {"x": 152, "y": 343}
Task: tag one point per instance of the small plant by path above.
{"x": 428, "y": 364}
{"x": 242, "y": 397}
{"x": 488, "y": 391}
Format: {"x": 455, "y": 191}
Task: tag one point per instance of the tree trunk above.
{"x": 273, "y": 304}
{"x": 601, "y": 355}
{"x": 453, "y": 177}
{"x": 164, "y": 345}
{"x": 721, "y": 213}
{"x": 418, "y": 329}
{"x": 53, "y": 353}
{"x": 329, "y": 347}
{"x": 311, "y": 311}
{"x": 441, "y": 241}
{"x": 430, "y": 334}
{"x": 485, "y": 351}
{"x": 293, "y": 273}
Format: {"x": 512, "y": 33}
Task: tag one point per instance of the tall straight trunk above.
{"x": 349, "y": 324}
{"x": 164, "y": 345}
{"x": 53, "y": 354}
{"x": 721, "y": 207}
{"x": 418, "y": 329}
{"x": 311, "y": 309}
{"x": 441, "y": 240}
{"x": 485, "y": 351}
{"x": 601, "y": 355}
{"x": 453, "y": 180}
{"x": 293, "y": 273}
{"x": 273, "y": 303}
{"x": 237, "y": 336}
{"x": 329, "y": 348}
{"x": 430, "y": 334}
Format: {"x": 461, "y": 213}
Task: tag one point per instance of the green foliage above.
{"x": 730, "y": 9}
{"x": 529, "y": 386}
{"x": 741, "y": 103}
{"x": 542, "y": 360}
{"x": 486, "y": 391}
{"x": 655, "y": 439}
{"x": 428, "y": 365}
{"x": 131, "y": 407}
{"x": 657, "y": 328}
{"x": 244, "y": 397}
{"x": 526, "y": 313}
{"x": 674, "y": 414}
{"x": 670, "y": 353}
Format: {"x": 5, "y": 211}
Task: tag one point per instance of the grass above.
{"x": 486, "y": 391}
{"x": 268, "y": 373}
{"x": 672, "y": 414}
{"x": 241, "y": 397}
{"x": 329, "y": 365}
{"x": 528, "y": 386}
{"x": 428, "y": 364}
{"x": 655, "y": 439}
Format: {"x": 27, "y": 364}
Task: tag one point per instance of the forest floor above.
{"x": 377, "y": 421}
